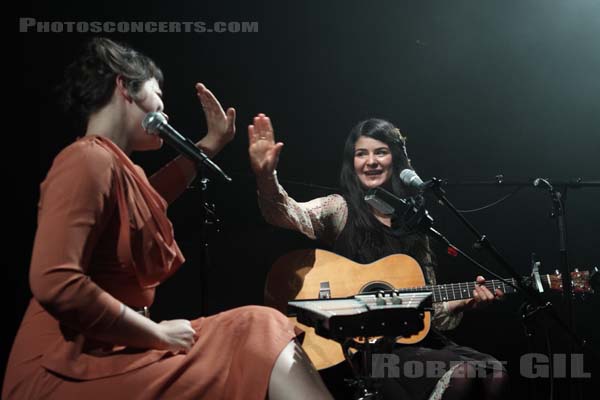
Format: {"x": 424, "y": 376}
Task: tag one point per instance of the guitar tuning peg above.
{"x": 380, "y": 298}
{"x": 396, "y": 300}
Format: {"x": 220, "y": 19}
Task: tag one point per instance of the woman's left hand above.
{"x": 221, "y": 125}
{"x": 482, "y": 297}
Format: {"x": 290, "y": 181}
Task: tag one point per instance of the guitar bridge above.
{"x": 324, "y": 290}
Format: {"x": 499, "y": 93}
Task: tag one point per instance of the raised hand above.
{"x": 263, "y": 151}
{"x": 221, "y": 125}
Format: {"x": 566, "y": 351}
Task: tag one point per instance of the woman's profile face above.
{"x": 148, "y": 99}
{"x": 372, "y": 162}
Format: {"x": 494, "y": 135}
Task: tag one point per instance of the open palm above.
{"x": 221, "y": 125}
{"x": 263, "y": 151}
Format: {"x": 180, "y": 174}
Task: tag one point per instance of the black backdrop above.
{"x": 479, "y": 88}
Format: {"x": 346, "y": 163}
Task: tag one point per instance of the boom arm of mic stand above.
{"x": 436, "y": 188}
{"x": 437, "y": 235}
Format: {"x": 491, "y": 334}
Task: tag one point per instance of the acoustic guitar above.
{"x": 319, "y": 274}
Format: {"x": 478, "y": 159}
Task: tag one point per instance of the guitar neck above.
{"x": 459, "y": 291}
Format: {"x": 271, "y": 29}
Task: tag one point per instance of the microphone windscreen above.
{"x": 408, "y": 176}
{"x": 152, "y": 121}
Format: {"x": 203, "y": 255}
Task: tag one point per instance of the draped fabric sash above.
{"x": 153, "y": 254}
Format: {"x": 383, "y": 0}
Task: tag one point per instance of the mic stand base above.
{"x": 365, "y": 386}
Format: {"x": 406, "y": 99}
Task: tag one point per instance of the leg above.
{"x": 294, "y": 377}
{"x": 495, "y": 385}
{"x": 490, "y": 380}
{"x": 467, "y": 383}
{"x": 462, "y": 383}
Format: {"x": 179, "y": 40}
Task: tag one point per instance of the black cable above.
{"x": 251, "y": 176}
{"x": 503, "y": 198}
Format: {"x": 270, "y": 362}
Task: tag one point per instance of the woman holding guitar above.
{"x": 374, "y": 154}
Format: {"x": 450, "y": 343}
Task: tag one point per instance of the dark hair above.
{"x": 89, "y": 81}
{"x": 368, "y": 239}
{"x": 387, "y": 133}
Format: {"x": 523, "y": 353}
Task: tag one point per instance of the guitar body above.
{"x": 314, "y": 274}
{"x": 306, "y": 274}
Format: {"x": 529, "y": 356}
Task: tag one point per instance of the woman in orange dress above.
{"x": 102, "y": 246}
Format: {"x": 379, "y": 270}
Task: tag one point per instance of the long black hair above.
{"x": 89, "y": 82}
{"x": 366, "y": 238}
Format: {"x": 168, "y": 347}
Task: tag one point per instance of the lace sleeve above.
{"x": 322, "y": 218}
{"x": 442, "y": 318}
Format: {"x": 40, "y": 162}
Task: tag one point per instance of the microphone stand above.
{"x": 500, "y": 181}
{"x": 387, "y": 202}
{"x": 482, "y": 241}
{"x": 204, "y": 256}
{"x": 558, "y": 212}
{"x": 209, "y": 225}
{"x": 533, "y": 299}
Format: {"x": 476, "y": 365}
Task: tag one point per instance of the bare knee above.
{"x": 261, "y": 313}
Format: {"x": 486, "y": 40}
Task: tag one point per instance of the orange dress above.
{"x": 103, "y": 240}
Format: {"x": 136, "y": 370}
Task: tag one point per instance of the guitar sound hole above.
{"x": 376, "y": 286}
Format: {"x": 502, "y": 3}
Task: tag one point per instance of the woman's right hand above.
{"x": 263, "y": 151}
{"x": 176, "y": 335}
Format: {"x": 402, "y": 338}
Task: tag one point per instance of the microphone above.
{"x": 411, "y": 179}
{"x": 410, "y": 214}
{"x": 156, "y": 124}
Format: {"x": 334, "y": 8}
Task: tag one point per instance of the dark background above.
{"x": 479, "y": 88}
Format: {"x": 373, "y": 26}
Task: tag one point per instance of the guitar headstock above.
{"x": 580, "y": 282}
